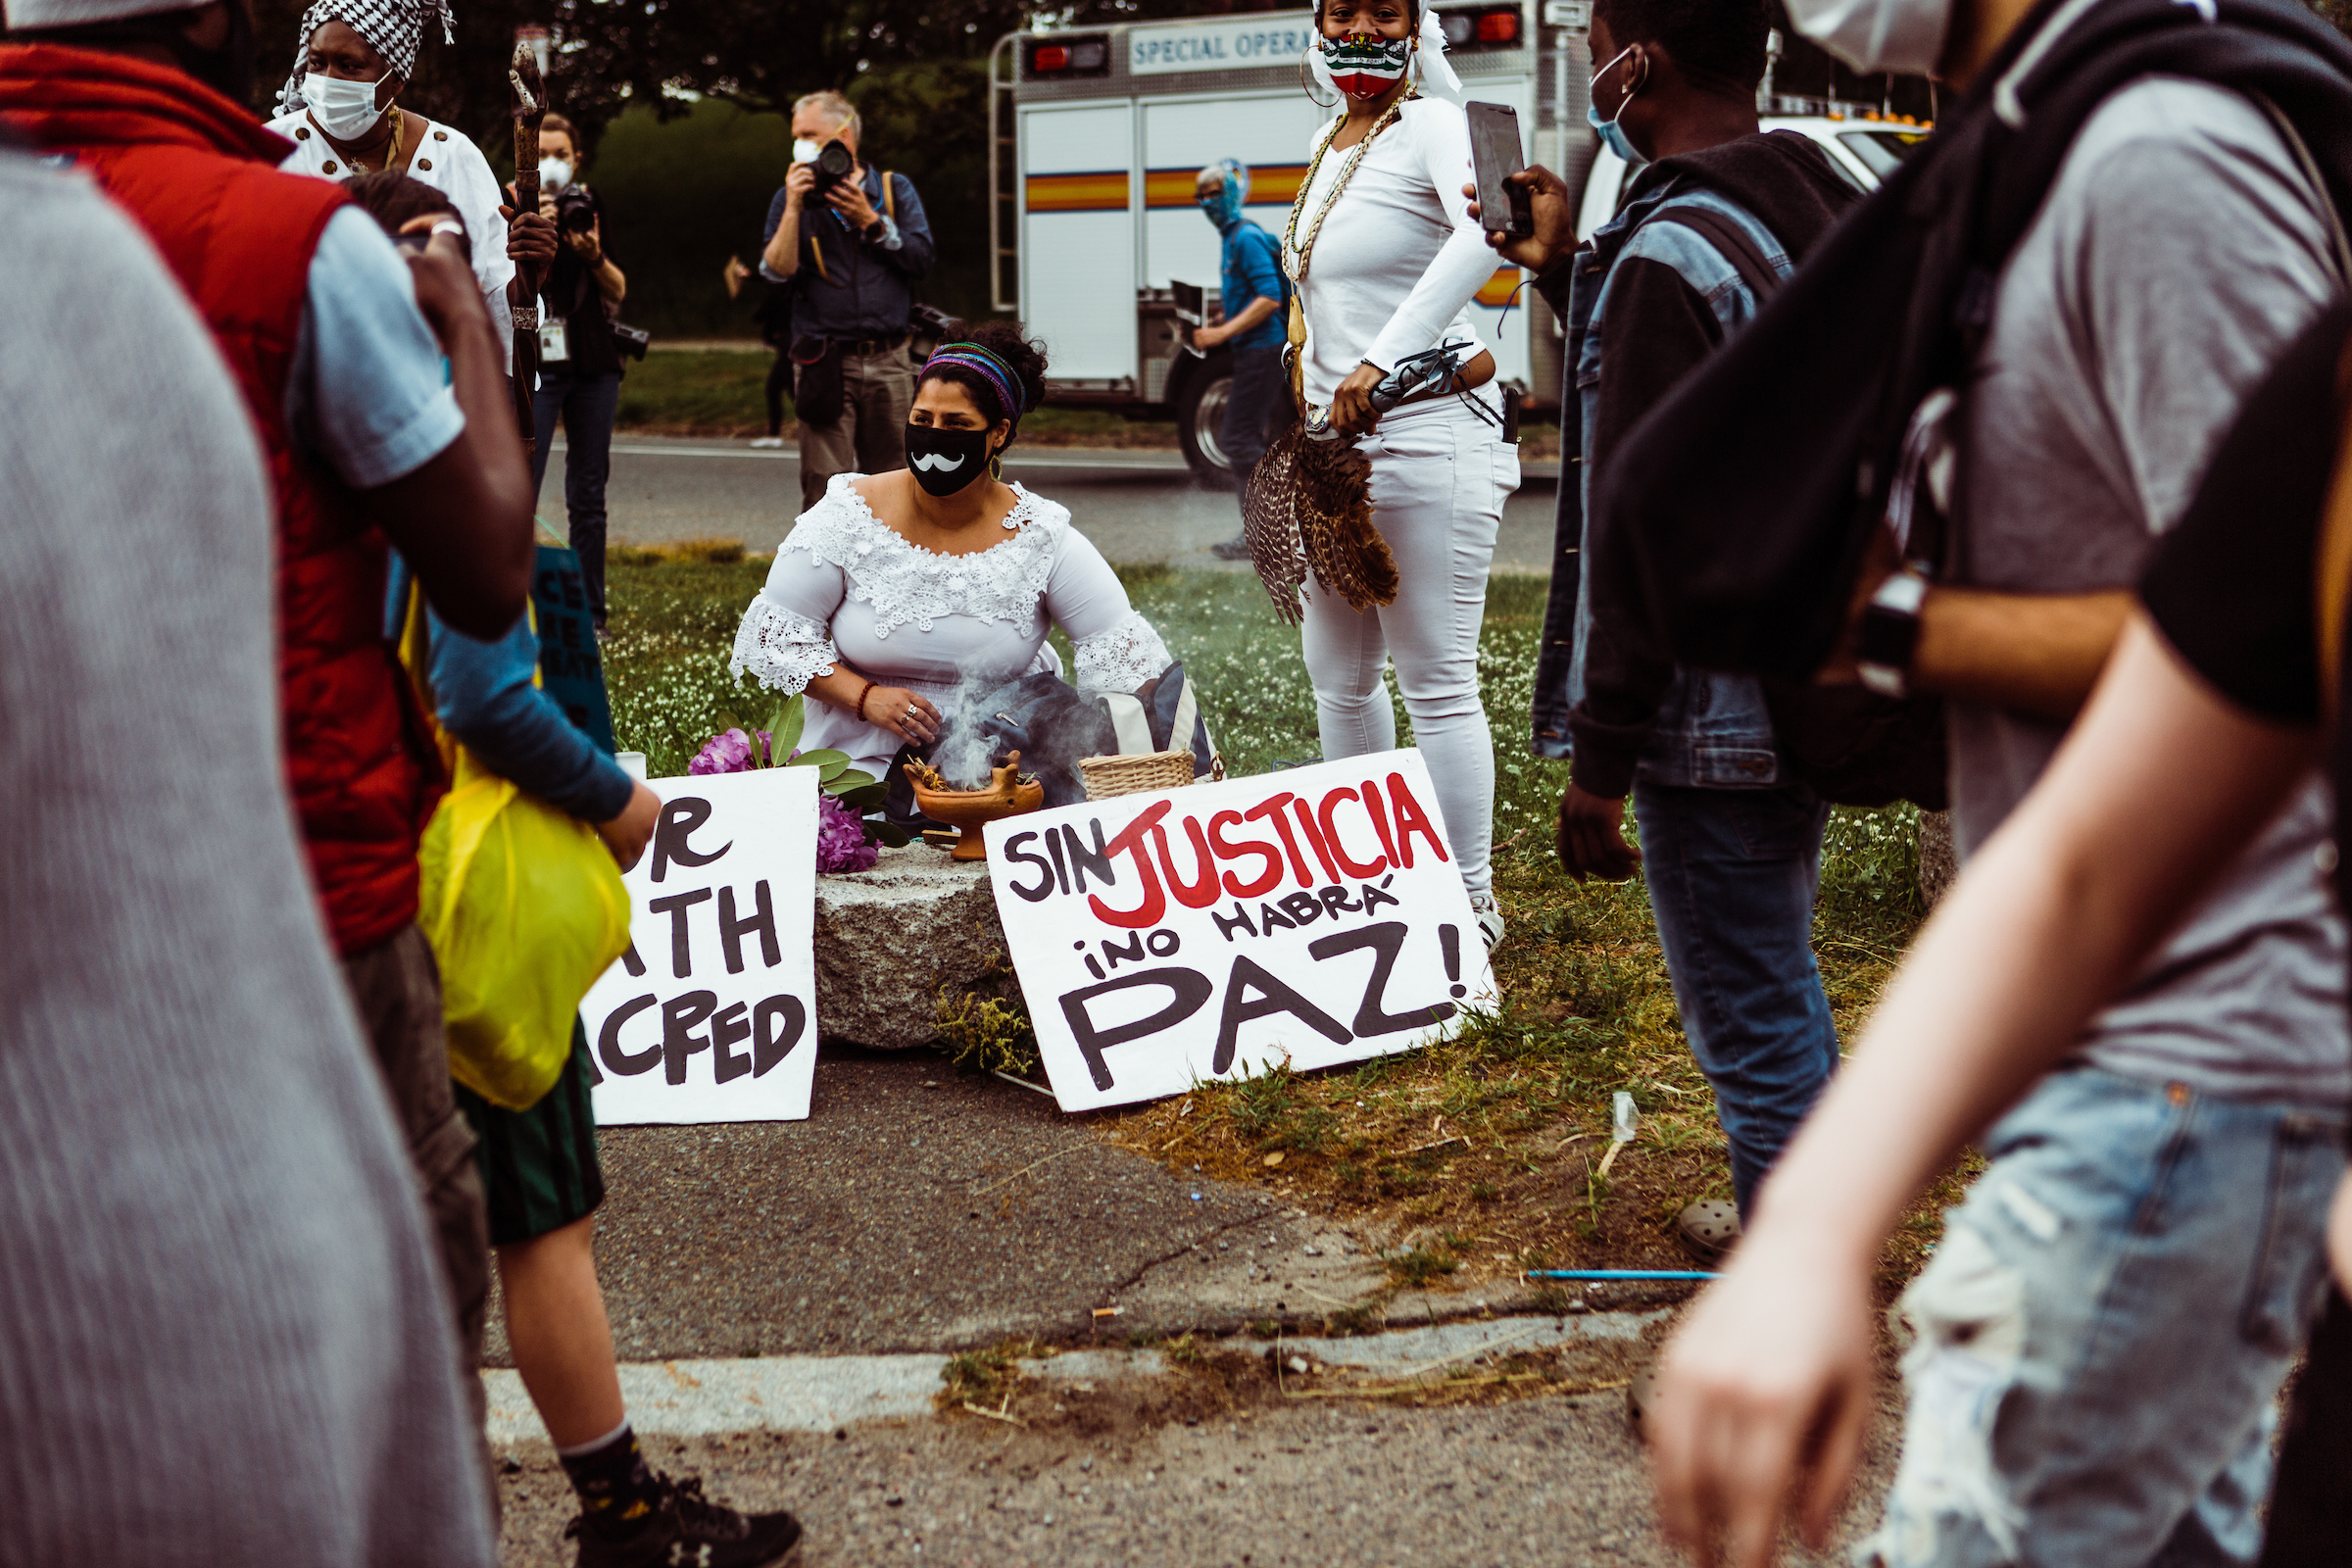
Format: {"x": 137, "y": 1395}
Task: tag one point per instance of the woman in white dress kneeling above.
{"x": 897, "y": 588}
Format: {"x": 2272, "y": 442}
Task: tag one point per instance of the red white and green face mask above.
{"x": 1366, "y": 68}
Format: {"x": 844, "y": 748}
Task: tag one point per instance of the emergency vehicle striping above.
{"x": 1496, "y": 291}
{"x": 1105, "y": 191}
{"x": 1270, "y": 186}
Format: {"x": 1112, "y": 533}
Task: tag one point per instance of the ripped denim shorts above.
{"x": 2095, "y": 1347}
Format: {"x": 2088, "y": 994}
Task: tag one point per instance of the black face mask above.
{"x": 946, "y": 460}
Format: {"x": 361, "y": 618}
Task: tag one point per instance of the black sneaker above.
{"x": 688, "y": 1530}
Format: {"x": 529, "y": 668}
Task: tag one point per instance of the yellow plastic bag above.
{"x": 524, "y": 908}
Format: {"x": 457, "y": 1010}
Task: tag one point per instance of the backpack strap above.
{"x": 1734, "y": 241}
{"x": 889, "y": 196}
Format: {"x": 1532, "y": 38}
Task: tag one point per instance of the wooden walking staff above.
{"x": 530, "y": 106}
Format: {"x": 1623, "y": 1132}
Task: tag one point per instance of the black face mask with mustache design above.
{"x": 946, "y": 460}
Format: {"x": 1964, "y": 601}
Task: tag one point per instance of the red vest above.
{"x": 200, "y": 175}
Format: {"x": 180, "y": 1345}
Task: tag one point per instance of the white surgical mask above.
{"x": 805, "y": 151}
{"x": 344, "y": 110}
{"x": 554, "y": 174}
{"x": 1901, "y": 37}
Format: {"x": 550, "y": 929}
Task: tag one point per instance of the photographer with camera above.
{"x": 579, "y": 359}
{"x": 853, "y": 240}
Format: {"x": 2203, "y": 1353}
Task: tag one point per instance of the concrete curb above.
{"x": 825, "y": 1393}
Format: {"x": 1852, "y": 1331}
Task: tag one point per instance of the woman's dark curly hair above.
{"x": 1009, "y": 344}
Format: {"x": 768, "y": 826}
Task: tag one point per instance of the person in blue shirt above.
{"x": 1251, "y": 294}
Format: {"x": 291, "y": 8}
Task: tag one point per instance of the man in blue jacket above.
{"x": 1730, "y": 837}
{"x": 1252, "y": 291}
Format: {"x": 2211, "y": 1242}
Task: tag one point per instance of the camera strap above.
{"x": 890, "y": 210}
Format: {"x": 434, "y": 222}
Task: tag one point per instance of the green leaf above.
{"x": 855, "y": 778}
{"x": 823, "y": 757}
{"x": 864, "y": 798}
{"x": 829, "y": 771}
{"x": 789, "y": 720}
{"x": 889, "y": 834}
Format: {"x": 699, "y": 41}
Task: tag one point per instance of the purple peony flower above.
{"x": 727, "y": 751}
{"x": 841, "y": 843}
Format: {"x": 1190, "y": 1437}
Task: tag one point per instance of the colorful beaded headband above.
{"x": 998, "y": 376}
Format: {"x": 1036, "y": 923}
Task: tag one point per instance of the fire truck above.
{"x": 1097, "y": 136}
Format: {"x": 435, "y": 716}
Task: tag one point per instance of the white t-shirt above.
{"x": 1399, "y": 257}
{"x": 453, "y": 166}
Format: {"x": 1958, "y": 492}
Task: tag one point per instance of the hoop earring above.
{"x": 1308, "y": 90}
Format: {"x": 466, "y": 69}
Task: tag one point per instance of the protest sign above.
{"x": 711, "y": 1015}
{"x": 1212, "y": 931}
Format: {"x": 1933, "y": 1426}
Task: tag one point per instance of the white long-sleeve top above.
{"x": 1400, "y": 256}
{"x": 847, "y": 586}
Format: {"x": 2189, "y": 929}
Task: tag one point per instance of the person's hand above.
{"x": 1209, "y": 337}
{"x": 734, "y": 274}
{"x": 627, "y": 834}
{"x": 847, "y": 198}
{"x": 530, "y": 245}
{"x": 905, "y": 714}
{"x": 589, "y": 244}
{"x": 1553, "y": 209}
{"x": 1351, "y": 411}
{"x": 1882, "y": 562}
{"x": 448, "y": 296}
{"x": 1593, "y": 837}
{"x": 799, "y": 181}
{"x": 1770, "y": 1374}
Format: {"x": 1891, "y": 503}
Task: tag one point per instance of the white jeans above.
{"x": 1439, "y": 476}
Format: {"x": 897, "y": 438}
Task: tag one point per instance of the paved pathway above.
{"x": 1136, "y": 506}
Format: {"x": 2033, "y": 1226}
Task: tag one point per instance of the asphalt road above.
{"x": 920, "y": 1210}
{"x": 1136, "y": 506}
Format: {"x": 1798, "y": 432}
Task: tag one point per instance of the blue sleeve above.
{"x": 368, "y": 393}
{"x": 483, "y": 695}
{"x": 915, "y": 245}
{"x": 1260, "y": 265}
{"x": 776, "y": 217}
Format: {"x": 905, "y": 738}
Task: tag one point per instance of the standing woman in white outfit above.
{"x": 340, "y": 110}
{"x": 1387, "y": 256}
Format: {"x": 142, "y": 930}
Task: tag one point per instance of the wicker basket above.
{"x": 1135, "y": 772}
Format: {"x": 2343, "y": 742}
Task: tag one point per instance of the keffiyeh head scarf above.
{"x": 393, "y": 28}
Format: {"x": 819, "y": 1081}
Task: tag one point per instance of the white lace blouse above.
{"x": 847, "y": 587}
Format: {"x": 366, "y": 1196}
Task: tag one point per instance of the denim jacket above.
{"x": 1712, "y": 730}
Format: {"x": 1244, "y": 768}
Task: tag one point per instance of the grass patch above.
{"x": 1483, "y": 1151}
{"x": 721, "y": 392}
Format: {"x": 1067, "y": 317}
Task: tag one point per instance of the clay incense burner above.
{"x": 1007, "y": 793}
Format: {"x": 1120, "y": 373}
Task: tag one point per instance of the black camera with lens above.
{"x": 576, "y": 211}
{"x": 832, "y": 164}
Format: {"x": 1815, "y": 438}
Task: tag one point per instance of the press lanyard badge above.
{"x": 555, "y": 346}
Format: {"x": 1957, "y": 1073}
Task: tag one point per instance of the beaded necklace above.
{"x": 1295, "y": 256}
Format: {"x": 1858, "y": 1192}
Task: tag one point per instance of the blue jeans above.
{"x": 2103, "y": 1327}
{"x": 587, "y": 404}
{"x": 1732, "y": 876}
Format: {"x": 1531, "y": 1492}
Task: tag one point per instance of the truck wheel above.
{"x": 1201, "y": 420}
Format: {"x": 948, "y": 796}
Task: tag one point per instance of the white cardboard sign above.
{"x": 1210, "y": 932}
{"x": 711, "y": 1015}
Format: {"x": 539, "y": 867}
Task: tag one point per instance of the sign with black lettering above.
{"x": 1212, "y": 931}
{"x": 711, "y": 1015}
